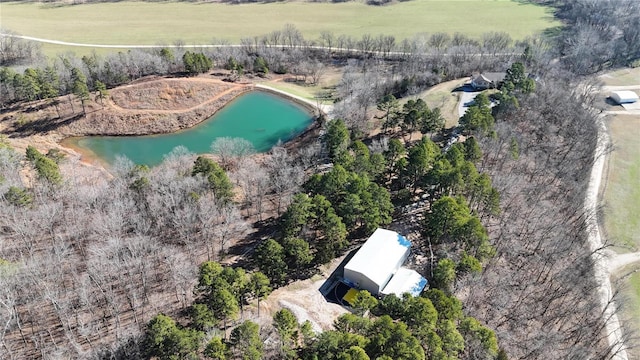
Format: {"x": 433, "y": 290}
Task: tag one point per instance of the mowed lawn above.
{"x": 622, "y": 77}
{"x": 622, "y": 191}
{"x": 443, "y": 97}
{"x": 151, "y": 23}
{"x": 323, "y": 90}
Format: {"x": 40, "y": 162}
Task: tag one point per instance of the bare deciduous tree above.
{"x": 254, "y": 181}
{"x": 284, "y": 175}
{"x": 542, "y": 276}
{"x": 231, "y": 150}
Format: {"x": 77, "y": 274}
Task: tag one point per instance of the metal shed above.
{"x": 624, "y": 97}
{"x": 377, "y": 261}
{"x": 405, "y": 281}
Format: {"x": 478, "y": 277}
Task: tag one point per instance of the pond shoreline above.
{"x": 108, "y": 118}
{"x": 320, "y": 109}
{"x": 241, "y": 117}
{"x": 118, "y": 121}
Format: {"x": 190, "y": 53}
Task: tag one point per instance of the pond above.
{"x": 260, "y": 117}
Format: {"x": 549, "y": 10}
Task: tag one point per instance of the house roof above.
{"x": 405, "y": 281}
{"x": 494, "y": 77}
{"x": 379, "y": 255}
{"x": 480, "y": 77}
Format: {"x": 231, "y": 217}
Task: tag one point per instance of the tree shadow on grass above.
{"x": 21, "y": 130}
{"x": 244, "y": 248}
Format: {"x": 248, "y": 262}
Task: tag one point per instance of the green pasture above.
{"x": 622, "y": 185}
{"x": 152, "y": 23}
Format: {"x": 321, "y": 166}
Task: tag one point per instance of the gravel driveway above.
{"x": 465, "y": 98}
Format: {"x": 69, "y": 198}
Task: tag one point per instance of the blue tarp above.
{"x": 403, "y": 241}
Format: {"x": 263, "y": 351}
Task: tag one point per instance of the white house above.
{"x": 624, "y": 97}
{"x": 378, "y": 260}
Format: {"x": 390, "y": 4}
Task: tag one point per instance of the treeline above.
{"x": 596, "y": 35}
{"x": 16, "y": 51}
{"x": 431, "y": 326}
{"x": 417, "y": 63}
{"x": 600, "y": 34}
{"x": 541, "y": 276}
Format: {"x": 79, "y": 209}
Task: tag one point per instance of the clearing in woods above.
{"x": 622, "y": 191}
{"x": 323, "y": 91}
{"x": 152, "y": 23}
{"x": 444, "y": 97}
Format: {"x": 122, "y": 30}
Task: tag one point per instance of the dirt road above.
{"x": 466, "y": 98}
{"x": 601, "y": 262}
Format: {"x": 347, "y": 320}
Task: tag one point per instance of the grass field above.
{"x": 448, "y": 104}
{"x": 622, "y": 77}
{"x": 442, "y": 96}
{"x": 151, "y": 23}
{"x": 324, "y": 89}
{"x": 622, "y": 192}
{"x": 628, "y": 282}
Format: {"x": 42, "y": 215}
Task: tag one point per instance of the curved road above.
{"x": 606, "y": 262}
{"x": 58, "y": 42}
{"x": 601, "y": 263}
{"x": 334, "y": 49}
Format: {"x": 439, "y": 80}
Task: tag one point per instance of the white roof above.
{"x": 405, "y": 281}
{"x": 624, "y": 96}
{"x": 379, "y": 255}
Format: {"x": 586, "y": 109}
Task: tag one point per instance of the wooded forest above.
{"x": 137, "y": 265}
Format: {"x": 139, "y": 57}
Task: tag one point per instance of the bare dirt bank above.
{"x": 156, "y": 107}
{"x": 147, "y": 106}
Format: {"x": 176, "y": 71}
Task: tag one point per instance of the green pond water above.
{"x": 260, "y": 117}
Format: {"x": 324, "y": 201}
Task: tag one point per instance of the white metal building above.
{"x": 405, "y": 281}
{"x": 624, "y": 97}
{"x": 374, "y": 265}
